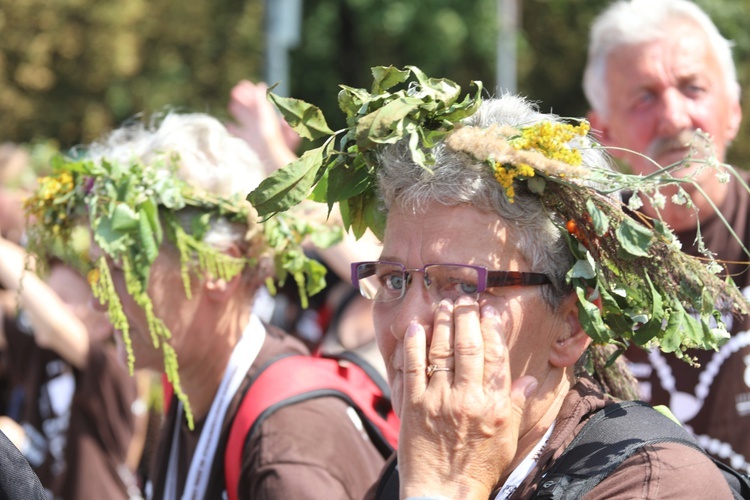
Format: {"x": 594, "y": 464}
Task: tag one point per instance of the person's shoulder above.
{"x": 313, "y": 445}
{"x": 664, "y": 470}
{"x": 314, "y": 426}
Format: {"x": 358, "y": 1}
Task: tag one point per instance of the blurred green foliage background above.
{"x": 72, "y": 69}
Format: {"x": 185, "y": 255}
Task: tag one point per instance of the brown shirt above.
{"x": 101, "y": 429}
{"x": 79, "y": 422}
{"x": 712, "y": 401}
{"x": 666, "y": 470}
{"x": 307, "y": 450}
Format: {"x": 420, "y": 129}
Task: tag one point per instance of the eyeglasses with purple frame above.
{"x": 455, "y": 276}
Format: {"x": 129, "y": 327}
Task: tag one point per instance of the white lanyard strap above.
{"x": 242, "y": 358}
{"x": 524, "y": 468}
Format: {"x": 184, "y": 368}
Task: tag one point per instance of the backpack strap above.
{"x": 293, "y": 379}
{"x": 389, "y": 485}
{"x": 609, "y": 438}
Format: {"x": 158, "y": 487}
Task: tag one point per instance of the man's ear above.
{"x": 734, "y": 120}
{"x": 573, "y": 340}
{"x": 218, "y": 289}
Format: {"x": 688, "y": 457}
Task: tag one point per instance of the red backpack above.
{"x": 295, "y": 378}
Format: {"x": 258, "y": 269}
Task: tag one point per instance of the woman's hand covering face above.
{"x": 460, "y": 426}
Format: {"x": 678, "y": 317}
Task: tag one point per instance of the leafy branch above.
{"x": 423, "y": 111}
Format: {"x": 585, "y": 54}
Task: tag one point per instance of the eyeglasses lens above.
{"x": 384, "y": 282}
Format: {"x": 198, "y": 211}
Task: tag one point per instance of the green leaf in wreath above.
{"x": 307, "y": 120}
{"x": 169, "y": 192}
{"x": 430, "y": 138}
{"x": 315, "y": 276}
{"x": 615, "y": 318}
{"x": 536, "y": 184}
{"x": 672, "y": 337}
{"x": 634, "y": 239}
{"x": 287, "y": 186}
{"x": 417, "y": 154}
{"x": 320, "y": 191}
{"x": 347, "y": 181}
{"x": 200, "y": 225}
{"x": 378, "y": 127}
{"x": 653, "y": 327}
{"x": 150, "y": 247}
{"x": 356, "y": 215}
{"x": 599, "y": 218}
{"x": 374, "y": 217}
{"x": 466, "y": 108}
{"x": 150, "y": 211}
{"x": 581, "y": 269}
{"x": 682, "y": 329}
{"x": 386, "y": 77}
{"x": 111, "y": 241}
{"x": 351, "y": 100}
{"x": 441, "y": 90}
{"x": 717, "y": 335}
{"x": 591, "y": 318}
{"x": 124, "y": 218}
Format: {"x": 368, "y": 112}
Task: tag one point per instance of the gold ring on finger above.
{"x": 431, "y": 369}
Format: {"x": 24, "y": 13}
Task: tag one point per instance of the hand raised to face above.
{"x": 460, "y": 423}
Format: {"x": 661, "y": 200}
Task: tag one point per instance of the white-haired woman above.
{"x": 503, "y": 255}
{"x": 182, "y": 259}
{"x": 480, "y": 328}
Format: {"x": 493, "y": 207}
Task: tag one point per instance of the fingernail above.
{"x": 531, "y": 388}
{"x": 490, "y": 312}
{"x": 412, "y": 330}
{"x": 465, "y": 301}
{"x": 445, "y": 305}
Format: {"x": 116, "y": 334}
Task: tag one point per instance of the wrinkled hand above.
{"x": 459, "y": 428}
{"x": 258, "y": 124}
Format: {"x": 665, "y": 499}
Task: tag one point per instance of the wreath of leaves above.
{"x": 652, "y": 294}
{"x": 130, "y": 208}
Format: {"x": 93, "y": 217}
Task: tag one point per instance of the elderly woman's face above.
{"x": 171, "y": 306}
{"x": 461, "y": 235}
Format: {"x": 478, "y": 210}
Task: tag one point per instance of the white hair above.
{"x": 206, "y": 156}
{"x": 209, "y": 157}
{"x": 632, "y": 22}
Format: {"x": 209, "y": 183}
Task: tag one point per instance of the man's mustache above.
{"x": 686, "y": 141}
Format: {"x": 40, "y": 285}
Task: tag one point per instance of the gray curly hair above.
{"x": 458, "y": 178}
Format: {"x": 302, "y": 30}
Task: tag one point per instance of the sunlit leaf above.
{"x": 591, "y": 318}
{"x": 441, "y": 90}
{"x": 598, "y": 217}
{"x": 655, "y": 324}
{"x": 307, "y": 120}
{"x": 377, "y": 127}
{"x": 385, "y": 77}
{"x": 634, "y": 238}
{"x": 124, "y": 218}
{"x": 287, "y": 186}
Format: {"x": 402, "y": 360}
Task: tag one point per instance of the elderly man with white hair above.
{"x": 659, "y": 72}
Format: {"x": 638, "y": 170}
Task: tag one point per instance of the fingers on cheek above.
{"x": 440, "y": 339}
{"x": 444, "y": 314}
{"x": 495, "y": 349}
{"x": 469, "y": 342}
{"x": 415, "y": 355}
